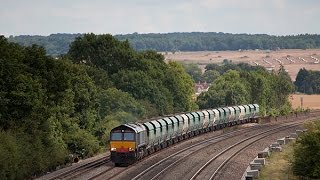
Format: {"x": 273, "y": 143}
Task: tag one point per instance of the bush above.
{"x": 9, "y": 157}
{"x": 82, "y": 144}
{"x": 23, "y": 155}
{"x": 306, "y": 160}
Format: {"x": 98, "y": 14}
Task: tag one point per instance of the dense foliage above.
{"x": 195, "y": 41}
{"x": 144, "y": 74}
{"x": 306, "y": 161}
{"x": 53, "y": 107}
{"x": 245, "y": 84}
{"x": 47, "y": 110}
{"x": 213, "y": 71}
{"x": 308, "y": 81}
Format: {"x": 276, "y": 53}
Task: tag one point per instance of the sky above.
{"x": 44, "y": 17}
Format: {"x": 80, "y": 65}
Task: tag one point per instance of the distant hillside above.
{"x": 56, "y": 44}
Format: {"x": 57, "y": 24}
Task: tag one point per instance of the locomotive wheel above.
{"x": 117, "y": 164}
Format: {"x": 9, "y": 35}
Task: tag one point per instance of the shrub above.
{"x": 306, "y": 160}
{"x": 82, "y": 144}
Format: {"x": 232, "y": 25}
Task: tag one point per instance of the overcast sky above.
{"x": 43, "y": 17}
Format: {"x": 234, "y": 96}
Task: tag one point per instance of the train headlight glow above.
{"x": 113, "y": 149}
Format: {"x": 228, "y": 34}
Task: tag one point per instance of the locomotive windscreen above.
{"x": 122, "y": 136}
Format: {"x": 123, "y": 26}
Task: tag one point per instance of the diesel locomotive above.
{"x": 133, "y": 141}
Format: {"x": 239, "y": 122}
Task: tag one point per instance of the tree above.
{"x": 260, "y": 91}
{"x": 243, "y": 84}
{"x": 308, "y": 81}
{"x": 181, "y": 86}
{"x": 301, "y": 80}
{"x": 306, "y": 160}
{"x": 141, "y": 86}
{"x": 112, "y": 100}
{"x": 151, "y": 55}
{"x": 283, "y": 87}
{"x": 103, "y": 51}
{"x": 210, "y": 75}
{"x": 194, "y": 71}
{"x": 227, "y": 90}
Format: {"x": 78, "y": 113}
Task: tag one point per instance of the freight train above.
{"x": 133, "y": 141}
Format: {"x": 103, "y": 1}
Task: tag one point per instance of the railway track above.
{"x": 165, "y": 164}
{"x": 101, "y": 174}
{"x": 72, "y": 173}
{"x": 106, "y": 175}
{"x": 213, "y": 166}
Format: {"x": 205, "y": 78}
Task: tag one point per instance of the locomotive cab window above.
{"x": 128, "y": 136}
{"x": 116, "y": 136}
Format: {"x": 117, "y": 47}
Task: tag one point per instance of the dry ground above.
{"x": 308, "y": 101}
{"x": 264, "y": 58}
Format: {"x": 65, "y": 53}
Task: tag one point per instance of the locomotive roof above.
{"x": 155, "y": 122}
{"x": 129, "y": 126}
{"x": 136, "y": 127}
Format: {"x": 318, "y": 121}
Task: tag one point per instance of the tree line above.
{"x": 54, "y": 44}
{"x": 57, "y": 44}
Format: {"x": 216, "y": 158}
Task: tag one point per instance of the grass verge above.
{"x": 278, "y": 165}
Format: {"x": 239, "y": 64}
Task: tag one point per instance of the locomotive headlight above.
{"x": 113, "y": 149}
{"x": 131, "y": 149}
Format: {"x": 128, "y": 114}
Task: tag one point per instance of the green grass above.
{"x": 278, "y": 165}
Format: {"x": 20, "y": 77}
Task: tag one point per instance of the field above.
{"x": 292, "y": 59}
{"x": 308, "y": 101}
